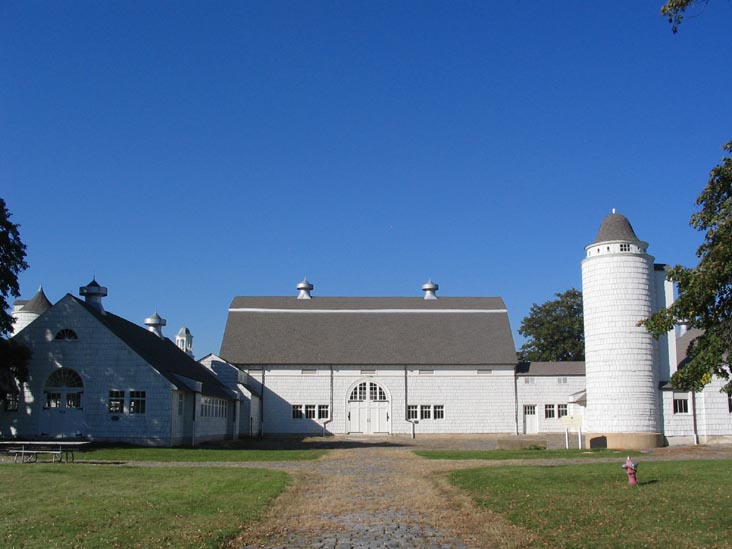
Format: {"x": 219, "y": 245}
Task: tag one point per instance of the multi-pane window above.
{"x": 376, "y": 393}
{"x": 681, "y": 404}
{"x": 310, "y": 411}
{"x": 214, "y": 407}
{"x": 729, "y": 403}
{"x": 323, "y": 411}
{"x": 561, "y": 410}
{"x": 137, "y": 402}
{"x": 425, "y": 411}
{"x": 528, "y": 380}
{"x": 297, "y": 411}
{"x": 73, "y": 400}
{"x": 529, "y": 409}
{"x": 625, "y": 247}
{"x": 562, "y": 380}
{"x": 53, "y": 400}
{"x": 412, "y": 411}
{"x": 358, "y": 393}
{"x": 549, "y": 411}
{"x": 116, "y": 403}
{"x": 66, "y": 335}
{"x": 439, "y": 411}
{"x": 181, "y": 402}
{"x": 12, "y": 402}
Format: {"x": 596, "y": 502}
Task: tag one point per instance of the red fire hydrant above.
{"x": 631, "y": 468}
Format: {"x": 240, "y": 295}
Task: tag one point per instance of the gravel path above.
{"x": 368, "y": 493}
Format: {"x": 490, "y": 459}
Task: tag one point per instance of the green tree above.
{"x": 555, "y": 330}
{"x": 13, "y": 356}
{"x": 674, "y": 11}
{"x": 705, "y": 291}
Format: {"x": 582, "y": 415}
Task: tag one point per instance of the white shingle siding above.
{"x": 622, "y": 383}
{"x": 545, "y": 390}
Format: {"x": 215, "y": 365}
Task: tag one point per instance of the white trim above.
{"x": 365, "y": 311}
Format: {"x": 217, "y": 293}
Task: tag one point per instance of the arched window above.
{"x": 66, "y": 335}
{"x": 375, "y": 392}
{"x": 64, "y": 388}
{"x": 64, "y": 377}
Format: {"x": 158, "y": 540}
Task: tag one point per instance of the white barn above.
{"x": 96, "y": 375}
{"x": 305, "y": 365}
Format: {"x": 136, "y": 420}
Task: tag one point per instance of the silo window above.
{"x": 625, "y": 247}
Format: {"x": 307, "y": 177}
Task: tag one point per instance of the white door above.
{"x": 531, "y": 420}
{"x": 63, "y": 409}
{"x": 368, "y": 409}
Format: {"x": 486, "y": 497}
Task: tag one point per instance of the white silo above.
{"x": 622, "y": 382}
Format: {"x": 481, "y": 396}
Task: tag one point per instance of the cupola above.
{"x": 304, "y": 289}
{"x": 430, "y": 289}
{"x": 93, "y": 294}
{"x": 155, "y": 324}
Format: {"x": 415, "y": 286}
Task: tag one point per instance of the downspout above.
{"x": 515, "y": 401}
{"x": 261, "y": 406}
{"x": 331, "y": 410}
{"x": 406, "y": 403}
{"x": 193, "y": 421}
{"x": 693, "y": 417}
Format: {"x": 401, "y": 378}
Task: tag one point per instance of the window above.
{"x": 412, "y": 411}
{"x": 73, "y": 400}
{"x": 297, "y": 411}
{"x": 729, "y": 403}
{"x": 12, "y": 402}
{"x": 549, "y": 411}
{"x": 310, "y": 411}
{"x": 181, "y": 401}
{"x": 116, "y": 402}
{"x": 562, "y": 380}
{"x": 425, "y": 411}
{"x": 368, "y": 372}
{"x": 561, "y": 410}
{"x": 529, "y": 409}
{"x": 66, "y": 335}
{"x": 64, "y": 377}
{"x": 528, "y": 380}
{"x": 625, "y": 247}
{"x": 376, "y": 393}
{"x": 439, "y": 411}
{"x": 309, "y": 371}
{"x": 53, "y": 400}
{"x": 137, "y": 402}
{"x": 681, "y": 403}
{"x": 485, "y": 372}
{"x": 358, "y": 393}
{"x": 323, "y": 411}
{"x": 214, "y": 407}
{"x": 426, "y": 372}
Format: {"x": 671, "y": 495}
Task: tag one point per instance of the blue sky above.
{"x": 188, "y": 152}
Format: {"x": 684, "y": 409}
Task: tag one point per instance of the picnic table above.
{"x": 29, "y": 450}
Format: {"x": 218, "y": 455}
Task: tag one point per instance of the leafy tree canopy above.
{"x": 555, "y": 330}
{"x": 13, "y": 357}
{"x": 705, "y": 291}
{"x": 674, "y": 11}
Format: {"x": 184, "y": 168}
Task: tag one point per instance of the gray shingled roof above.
{"x": 368, "y": 331}
{"x": 615, "y": 227}
{"x": 568, "y": 368}
{"x": 162, "y": 354}
{"x": 39, "y": 304}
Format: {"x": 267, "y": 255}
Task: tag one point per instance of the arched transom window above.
{"x": 374, "y": 391}
{"x": 64, "y": 389}
{"x": 66, "y": 335}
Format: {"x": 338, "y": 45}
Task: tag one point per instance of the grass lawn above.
{"x": 66, "y": 505}
{"x": 676, "y": 504}
{"x": 195, "y": 454}
{"x": 524, "y": 454}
